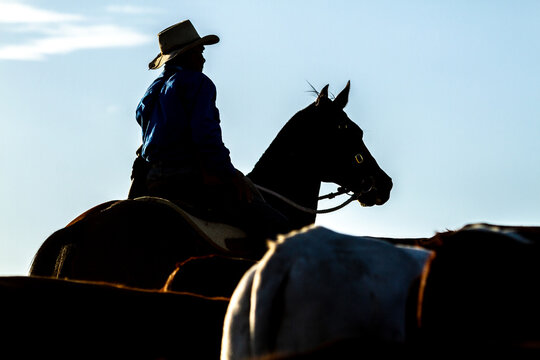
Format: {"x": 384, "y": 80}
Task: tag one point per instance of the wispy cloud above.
{"x": 51, "y": 32}
{"x": 15, "y": 13}
{"x": 72, "y": 38}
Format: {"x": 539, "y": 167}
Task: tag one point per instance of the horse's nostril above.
{"x": 368, "y": 184}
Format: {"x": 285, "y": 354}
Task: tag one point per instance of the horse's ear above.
{"x": 343, "y": 97}
{"x": 323, "y": 94}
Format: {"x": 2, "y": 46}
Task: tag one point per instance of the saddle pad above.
{"x": 222, "y": 236}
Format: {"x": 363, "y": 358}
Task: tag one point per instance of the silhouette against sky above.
{"x": 447, "y": 93}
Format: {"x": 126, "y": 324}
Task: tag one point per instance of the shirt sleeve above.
{"x": 206, "y": 131}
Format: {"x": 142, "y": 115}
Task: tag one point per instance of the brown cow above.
{"x": 65, "y": 319}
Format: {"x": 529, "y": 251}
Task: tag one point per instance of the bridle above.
{"x": 341, "y": 190}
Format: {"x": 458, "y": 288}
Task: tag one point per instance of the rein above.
{"x": 340, "y": 191}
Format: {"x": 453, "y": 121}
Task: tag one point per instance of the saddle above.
{"x": 225, "y": 238}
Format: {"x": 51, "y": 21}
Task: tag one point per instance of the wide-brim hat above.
{"x": 176, "y": 40}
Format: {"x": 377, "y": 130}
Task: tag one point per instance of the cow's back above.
{"x": 318, "y": 286}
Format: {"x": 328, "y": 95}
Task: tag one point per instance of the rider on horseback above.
{"x": 183, "y": 158}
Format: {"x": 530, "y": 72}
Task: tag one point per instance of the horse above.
{"x": 317, "y": 291}
{"x": 139, "y": 242}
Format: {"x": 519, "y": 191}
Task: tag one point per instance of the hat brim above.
{"x": 161, "y": 59}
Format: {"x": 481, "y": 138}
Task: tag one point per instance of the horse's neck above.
{"x": 295, "y": 186}
{"x": 285, "y": 171}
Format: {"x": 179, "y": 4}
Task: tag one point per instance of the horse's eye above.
{"x": 359, "y": 158}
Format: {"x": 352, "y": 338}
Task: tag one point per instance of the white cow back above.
{"x": 316, "y": 286}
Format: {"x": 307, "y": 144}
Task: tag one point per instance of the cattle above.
{"x": 318, "y": 286}
{"x": 68, "y": 319}
{"x": 318, "y": 292}
{"x": 212, "y": 275}
{"x": 482, "y": 288}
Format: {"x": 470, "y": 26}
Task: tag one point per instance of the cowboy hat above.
{"x": 178, "y": 39}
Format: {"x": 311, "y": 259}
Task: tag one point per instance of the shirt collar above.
{"x": 172, "y": 67}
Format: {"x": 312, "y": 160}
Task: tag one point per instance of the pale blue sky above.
{"x": 447, "y": 92}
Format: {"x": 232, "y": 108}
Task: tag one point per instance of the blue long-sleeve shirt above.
{"x": 181, "y": 125}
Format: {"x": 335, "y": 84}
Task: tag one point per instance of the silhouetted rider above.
{"x": 182, "y": 157}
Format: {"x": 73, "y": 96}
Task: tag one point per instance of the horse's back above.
{"x": 136, "y": 243}
{"x": 44, "y": 262}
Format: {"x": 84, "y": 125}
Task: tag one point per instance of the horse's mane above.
{"x": 294, "y": 135}
{"x": 295, "y": 130}
{"x": 314, "y": 91}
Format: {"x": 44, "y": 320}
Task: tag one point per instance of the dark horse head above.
{"x": 345, "y": 159}
{"x": 321, "y": 144}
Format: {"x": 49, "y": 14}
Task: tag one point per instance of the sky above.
{"x": 447, "y": 93}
